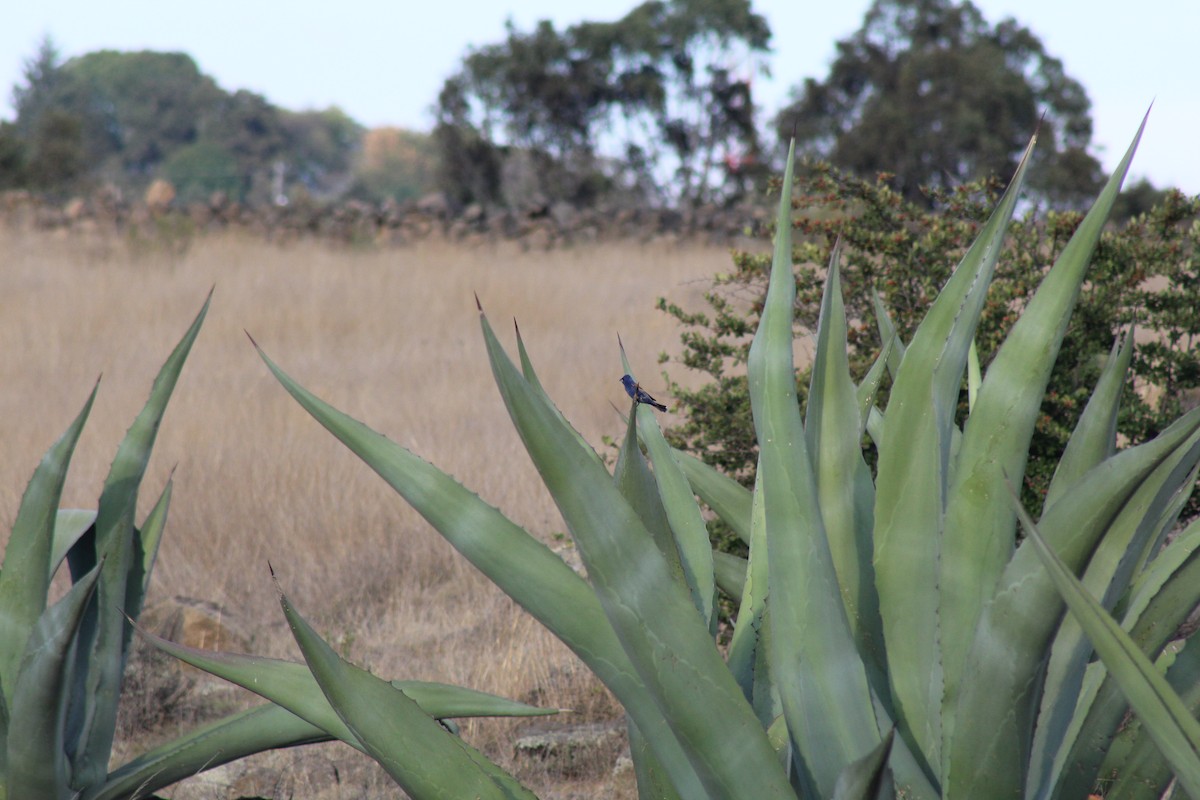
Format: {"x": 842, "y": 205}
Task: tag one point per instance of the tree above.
{"x": 1145, "y": 271}
{"x": 12, "y": 157}
{"x": 138, "y": 107}
{"x": 658, "y": 102}
{"x": 44, "y": 148}
{"x": 42, "y": 77}
{"x": 56, "y": 157}
{"x": 395, "y": 164}
{"x": 321, "y": 149}
{"x": 929, "y": 91}
{"x": 198, "y": 170}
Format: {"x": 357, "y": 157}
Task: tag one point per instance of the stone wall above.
{"x": 537, "y": 226}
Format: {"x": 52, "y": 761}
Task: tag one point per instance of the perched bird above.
{"x": 639, "y": 394}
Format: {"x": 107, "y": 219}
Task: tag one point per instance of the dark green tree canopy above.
{"x": 931, "y": 92}
{"x": 658, "y": 102}
{"x": 125, "y": 118}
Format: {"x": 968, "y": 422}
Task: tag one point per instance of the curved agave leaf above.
{"x": 664, "y": 638}
{"x": 869, "y": 778}
{"x": 1134, "y": 758}
{"x": 974, "y": 376}
{"x": 1095, "y": 436}
{"x": 1107, "y": 576}
{"x": 149, "y": 537}
{"x": 869, "y": 388}
{"x": 746, "y": 648}
{"x": 1160, "y": 600}
{"x": 1165, "y": 716}
{"x": 688, "y": 531}
{"x": 531, "y": 376}
{"x": 652, "y": 780}
{"x": 291, "y": 685}
{"x": 846, "y": 495}
{"x": 637, "y": 484}
{"x": 70, "y": 525}
{"x": 36, "y": 762}
{"x": 265, "y": 727}
{"x": 728, "y": 499}
{"x": 980, "y": 527}
{"x": 914, "y": 476}
{"x": 26, "y": 572}
{"x": 814, "y": 662}
{"x": 683, "y": 513}
{"x": 1016, "y": 627}
{"x": 102, "y": 662}
{"x": 524, "y": 568}
{"x": 730, "y": 572}
{"x": 888, "y": 333}
{"x": 423, "y": 757}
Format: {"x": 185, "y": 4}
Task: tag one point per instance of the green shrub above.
{"x": 892, "y": 636}
{"x": 1145, "y": 271}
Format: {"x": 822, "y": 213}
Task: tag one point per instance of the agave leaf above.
{"x": 683, "y": 512}
{"x": 1160, "y": 600}
{"x": 150, "y": 535}
{"x": 814, "y": 662}
{"x": 291, "y": 685}
{"x": 690, "y": 546}
{"x": 664, "y": 638}
{"x": 652, "y": 780}
{"x": 1108, "y": 573}
{"x": 888, "y": 333}
{"x": 869, "y": 388}
{"x": 845, "y": 493}
{"x": 745, "y": 646}
{"x": 1141, "y": 769}
{"x": 913, "y": 479}
{"x": 730, "y": 572}
{"x": 728, "y": 499}
{"x": 637, "y": 484}
{"x": 37, "y": 766}
{"x": 70, "y": 525}
{"x": 423, "y": 757}
{"x": 102, "y": 662}
{"x": 980, "y": 526}
{"x": 1095, "y": 436}
{"x": 1167, "y": 523}
{"x": 519, "y": 564}
{"x": 1165, "y": 716}
{"x": 974, "y": 376}
{"x": 1016, "y": 627}
{"x": 26, "y": 572}
{"x": 244, "y": 733}
{"x": 531, "y": 376}
{"x": 1107, "y": 576}
{"x": 869, "y": 778}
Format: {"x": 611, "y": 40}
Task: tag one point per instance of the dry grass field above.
{"x": 389, "y": 336}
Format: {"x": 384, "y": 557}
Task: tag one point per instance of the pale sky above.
{"x": 383, "y": 62}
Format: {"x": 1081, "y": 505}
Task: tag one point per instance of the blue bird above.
{"x": 639, "y": 394}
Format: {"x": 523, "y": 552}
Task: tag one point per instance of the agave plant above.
{"x": 61, "y": 664}
{"x": 893, "y": 634}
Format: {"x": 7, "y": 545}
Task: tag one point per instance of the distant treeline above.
{"x": 653, "y": 110}
{"x": 125, "y": 119}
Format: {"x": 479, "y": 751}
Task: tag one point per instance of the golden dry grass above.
{"x": 392, "y": 338}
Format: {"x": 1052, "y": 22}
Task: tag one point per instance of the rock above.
{"x": 434, "y": 203}
{"x": 578, "y": 751}
{"x": 159, "y": 196}
{"x": 194, "y": 623}
{"x": 75, "y": 209}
